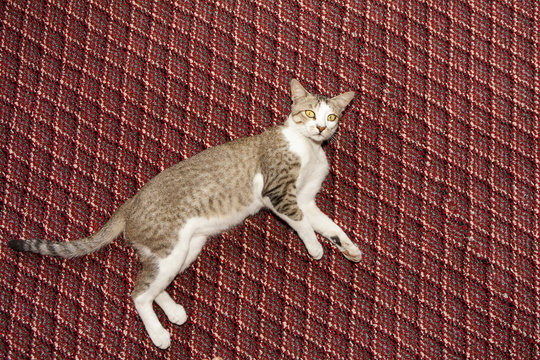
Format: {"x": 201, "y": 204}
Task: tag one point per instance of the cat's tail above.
{"x": 70, "y": 249}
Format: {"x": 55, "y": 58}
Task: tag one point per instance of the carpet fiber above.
{"x": 434, "y": 173}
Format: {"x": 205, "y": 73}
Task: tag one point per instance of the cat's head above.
{"x": 316, "y": 117}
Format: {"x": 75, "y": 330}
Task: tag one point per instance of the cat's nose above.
{"x": 321, "y": 128}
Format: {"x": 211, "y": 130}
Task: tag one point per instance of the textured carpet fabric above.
{"x": 435, "y": 174}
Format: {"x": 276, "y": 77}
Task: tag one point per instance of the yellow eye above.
{"x": 309, "y": 114}
{"x": 332, "y": 117}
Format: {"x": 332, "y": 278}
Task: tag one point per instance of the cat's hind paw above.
{"x": 176, "y": 314}
{"x": 161, "y": 338}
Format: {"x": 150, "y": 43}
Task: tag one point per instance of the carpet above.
{"x": 434, "y": 173}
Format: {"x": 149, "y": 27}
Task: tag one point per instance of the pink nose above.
{"x": 321, "y": 128}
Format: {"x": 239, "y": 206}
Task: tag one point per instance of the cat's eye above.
{"x": 332, "y": 117}
{"x": 309, "y": 114}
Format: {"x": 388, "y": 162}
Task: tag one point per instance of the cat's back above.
{"x": 222, "y": 172}
{"x": 236, "y": 158}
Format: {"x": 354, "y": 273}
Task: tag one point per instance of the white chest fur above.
{"x": 314, "y": 165}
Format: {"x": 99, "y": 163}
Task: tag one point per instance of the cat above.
{"x": 169, "y": 220}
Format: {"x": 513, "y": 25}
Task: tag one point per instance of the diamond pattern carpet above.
{"x": 434, "y": 173}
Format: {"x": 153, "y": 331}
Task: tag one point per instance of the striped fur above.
{"x": 170, "y": 218}
{"x": 71, "y": 249}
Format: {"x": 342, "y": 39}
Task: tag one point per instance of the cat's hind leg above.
{"x": 175, "y": 312}
{"x": 149, "y": 285}
{"x": 195, "y": 246}
{"x": 156, "y": 275}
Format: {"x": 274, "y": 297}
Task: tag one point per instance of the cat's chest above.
{"x": 314, "y": 165}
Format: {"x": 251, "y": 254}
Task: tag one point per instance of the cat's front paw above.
{"x": 161, "y": 338}
{"x": 353, "y": 253}
{"x": 316, "y": 251}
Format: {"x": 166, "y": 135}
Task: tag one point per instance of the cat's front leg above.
{"x": 322, "y": 224}
{"x": 305, "y": 231}
{"x": 296, "y": 219}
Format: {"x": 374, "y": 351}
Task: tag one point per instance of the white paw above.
{"x": 161, "y": 338}
{"x": 316, "y": 251}
{"x": 176, "y": 314}
{"x": 353, "y": 253}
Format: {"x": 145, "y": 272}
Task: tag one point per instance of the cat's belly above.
{"x": 212, "y": 225}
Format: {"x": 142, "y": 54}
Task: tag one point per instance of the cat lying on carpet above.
{"x": 169, "y": 220}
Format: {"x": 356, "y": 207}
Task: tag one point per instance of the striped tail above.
{"x": 70, "y": 249}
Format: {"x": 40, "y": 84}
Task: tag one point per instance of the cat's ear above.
{"x": 297, "y": 90}
{"x": 343, "y": 100}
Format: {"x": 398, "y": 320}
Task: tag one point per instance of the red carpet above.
{"x": 435, "y": 173}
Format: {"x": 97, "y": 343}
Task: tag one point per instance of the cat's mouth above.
{"x": 322, "y": 136}
{"x": 318, "y": 137}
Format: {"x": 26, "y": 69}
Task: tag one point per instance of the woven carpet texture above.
{"x": 434, "y": 173}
